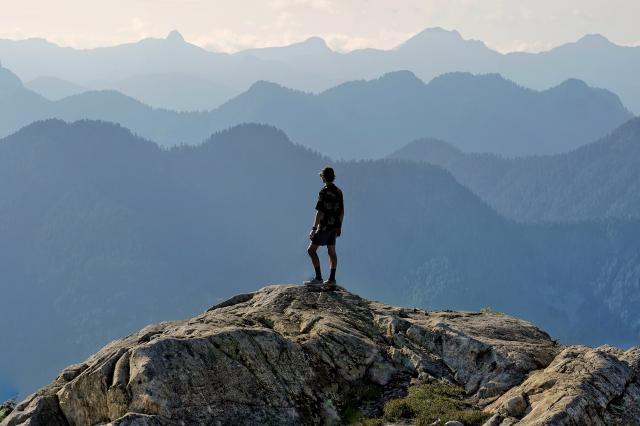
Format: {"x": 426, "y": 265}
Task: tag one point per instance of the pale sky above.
{"x": 231, "y": 25}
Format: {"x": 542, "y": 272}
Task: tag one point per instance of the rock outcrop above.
{"x": 289, "y": 355}
{"x": 582, "y": 386}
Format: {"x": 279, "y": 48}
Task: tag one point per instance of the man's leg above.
{"x": 312, "y": 250}
{"x": 333, "y": 261}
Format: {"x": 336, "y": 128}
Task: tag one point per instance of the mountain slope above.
{"x": 292, "y": 355}
{"x": 54, "y": 88}
{"x": 18, "y": 105}
{"x": 99, "y": 226}
{"x": 598, "y": 181}
{"x": 368, "y": 119}
{"x": 593, "y": 59}
{"x": 174, "y": 91}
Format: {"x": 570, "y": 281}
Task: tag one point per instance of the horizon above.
{"x": 223, "y": 26}
{"x": 209, "y": 48}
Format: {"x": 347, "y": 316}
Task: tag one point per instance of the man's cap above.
{"x": 328, "y": 173}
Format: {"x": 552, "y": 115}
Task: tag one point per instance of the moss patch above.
{"x": 6, "y": 408}
{"x": 489, "y": 310}
{"x": 429, "y": 402}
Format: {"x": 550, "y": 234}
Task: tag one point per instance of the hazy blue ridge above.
{"x": 54, "y": 88}
{"x": 311, "y": 66}
{"x": 362, "y": 119}
{"x": 597, "y": 181}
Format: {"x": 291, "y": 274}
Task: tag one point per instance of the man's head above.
{"x": 327, "y": 174}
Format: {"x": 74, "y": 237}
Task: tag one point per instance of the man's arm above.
{"x": 319, "y": 214}
{"x": 316, "y": 223}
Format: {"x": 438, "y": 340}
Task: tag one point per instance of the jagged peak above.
{"x": 175, "y": 36}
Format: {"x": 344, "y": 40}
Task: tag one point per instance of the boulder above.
{"x": 581, "y": 386}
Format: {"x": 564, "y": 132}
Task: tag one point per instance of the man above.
{"x": 326, "y": 228}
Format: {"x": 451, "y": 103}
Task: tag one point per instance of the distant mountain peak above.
{"x": 175, "y": 36}
{"x": 263, "y": 88}
{"x": 595, "y": 40}
{"x": 312, "y": 45}
{"x": 264, "y": 85}
{"x": 431, "y": 150}
{"x": 430, "y": 36}
{"x": 573, "y": 83}
{"x": 402, "y": 76}
{"x": 439, "y": 32}
{"x": 316, "y": 43}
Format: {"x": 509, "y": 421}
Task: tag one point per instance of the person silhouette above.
{"x": 327, "y": 226}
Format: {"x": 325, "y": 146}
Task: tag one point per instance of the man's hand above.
{"x": 313, "y": 233}
{"x": 338, "y": 232}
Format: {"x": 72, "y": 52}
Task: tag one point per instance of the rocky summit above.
{"x": 287, "y": 355}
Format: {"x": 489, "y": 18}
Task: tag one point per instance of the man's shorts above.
{"x": 326, "y": 237}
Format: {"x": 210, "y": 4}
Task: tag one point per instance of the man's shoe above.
{"x": 314, "y": 281}
{"x": 329, "y": 285}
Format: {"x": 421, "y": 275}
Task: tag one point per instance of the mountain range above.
{"x": 598, "y": 181}
{"x": 312, "y": 66}
{"x": 359, "y": 119}
{"x": 104, "y": 232}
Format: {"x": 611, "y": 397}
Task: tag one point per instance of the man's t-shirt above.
{"x": 331, "y": 205}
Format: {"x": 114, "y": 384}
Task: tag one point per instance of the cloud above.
{"x": 521, "y": 46}
{"x": 15, "y": 33}
{"x": 324, "y": 5}
{"x": 229, "y": 25}
{"x": 135, "y": 29}
{"x": 284, "y": 20}
{"x": 137, "y": 24}
{"x": 226, "y": 40}
{"x": 345, "y": 43}
{"x": 229, "y": 41}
